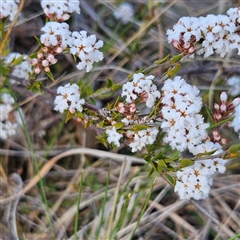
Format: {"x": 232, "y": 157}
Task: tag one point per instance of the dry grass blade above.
{"x": 46, "y": 168}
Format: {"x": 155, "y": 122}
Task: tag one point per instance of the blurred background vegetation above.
{"x": 118, "y": 200}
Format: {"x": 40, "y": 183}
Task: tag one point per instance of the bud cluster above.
{"x": 43, "y": 61}
{"x": 223, "y": 111}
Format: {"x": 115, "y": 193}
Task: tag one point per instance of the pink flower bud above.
{"x": 37, "y": 70}
{"x": 59, "y": 50}
{"x": 224, "y": 141}
{"x": 216, "y": 135}
{"x": 233, "y": 104}
{"x": 191, "y": 50}
{"x": 65, "y": 17}
{"x": 223, "y": 97}
{"x": 223, "y": 108}
{"x": 51, "y": 59}
{"x": 47, "y": 69}
{"x": 113, "y": 122}
{"x": 121, "y": 107}
{"x": 45, "y": 49}
{"x": 144, "y": 96}
{"x": 33, "y": 61}
{"x": 45, "y": 63}
{"x": 175, "y": 44}
{"x": 216, "y": 107}
{"x": 132, "y": 107}
{"x": 236, "y": 101}
{"x": 186, "y": 45}
{"x": 40, "y": 55}
{"x": 217, "y": 117}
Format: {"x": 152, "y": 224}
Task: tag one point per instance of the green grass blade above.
{"x": 78, "y": 206}
{"x": 144, "y": 208}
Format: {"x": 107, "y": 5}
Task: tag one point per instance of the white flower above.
{"x": 59, "y": 10}
{"x": 21, "y": 70}
{"x": 183, "y": 125}
{"x": 113, "y": 136}
{"x": 86, "y": 49}
{"x": 8, "y": 128}
{"x": 8, "y": 9}
{"x": 68, "y": 99}
{"x": 140, "y": 139}
{"x": 236, "y": 121}
{"x": 218, "y": 33}
{"x": 141, "y": 87}
{"x": 124, "y": 12}
{"x": 234, "y": 83}
{"x": 55, "y": 35}
{"x": 206, "y": 147}
{"x": 195, "y": 181}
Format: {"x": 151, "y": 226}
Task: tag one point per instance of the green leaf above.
{"x": 151, "y": 172}
{"x": 36, "y": 86}
{"x": 49, "y": 74}
{"x": 109, "y": 83}
{"x": 174, "y": 70}
{"x": 206, "y": 154}
{"x": 18, "y": 60}
{"x": 170, "y": 179}
{"x": 79, "y": 114}
{"x": 101, "y": 124}
{"x": 69, "y": 116}
{"x": 220, "y": 123}
{"x": 116, "y": 87}
{"x": 163, "y": 60}
{"x": 162, "y": 164}
{"x": 92, "y": 100}
{"x": 90, "y": 90}
{"x": 118, "y": 125}
{"x": 209, "y": 113}
{"x": 157, "y": 156}
{"x": 186, "y": 162}
{"x": 139, "y": 127}
{"x": 234, "y": 148}
{"x": 177, "y": 58}
{"x": 38, "y": 40}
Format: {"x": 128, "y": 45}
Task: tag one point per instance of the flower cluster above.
{"x": 139, "y": 139}
{"x": 9, "y": 119}
{"x": 8, "y": 9}
{"x": 142, "y": 89}
{"x": 86, "y": 49}
{"x": 57, "y": 38}
{"x": 195, "y": 181}
{"x": 216, "y": 34}
{"x": 56, "y": 35}
{"x": 68, "y": 99}
{"x": 184, "y": 127}
{"x": 59, "y": 10}
{"x": 21, "y": 70}
{"x": 124, "y": 12}
{"x": 113, "y": 136}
